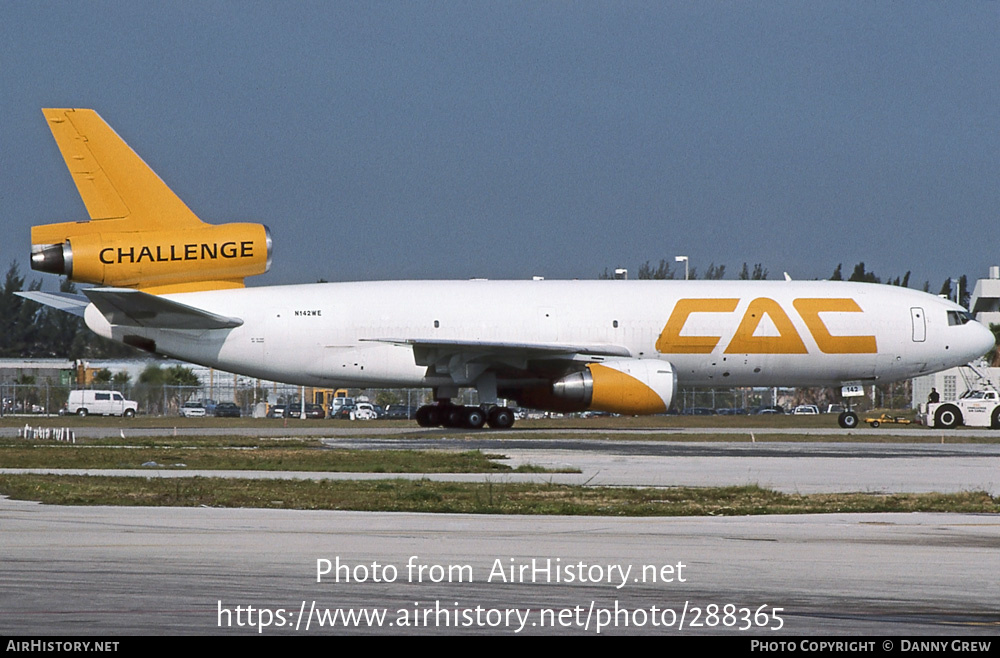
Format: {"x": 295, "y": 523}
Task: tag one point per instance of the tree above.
{"x": 863, "y": 276}
{"x": 993, "y": 356}
{"x": 715, "y": 273}
{"x": 181, "y": 376}
{"x": 963, "y": 290}
{"x": 160, "y": 387}
{"x": 11, "y": 327}
{"x": 837, "y": 275}
{"x": 661, "y": 271}
{"x": 62, "y": 334}
{"x": 386, "y": 397}
{"x": 121, "y": 379}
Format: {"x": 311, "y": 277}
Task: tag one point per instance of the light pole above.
{"x": 685, "y": 259}
{"x": 958, "y": 290}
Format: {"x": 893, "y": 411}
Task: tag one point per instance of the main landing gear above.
{"x": 446, "y": 414}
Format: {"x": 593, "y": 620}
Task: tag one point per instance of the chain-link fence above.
{"x": 47, "y": 399}
{"x": 256, "y": 399}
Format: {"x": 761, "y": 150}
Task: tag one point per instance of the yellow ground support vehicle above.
{"x": 886, "y": 418}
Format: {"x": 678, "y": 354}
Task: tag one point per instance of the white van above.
{"x": 103, "y": 403}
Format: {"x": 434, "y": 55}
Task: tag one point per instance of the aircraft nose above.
{"x": 982, "y": 341}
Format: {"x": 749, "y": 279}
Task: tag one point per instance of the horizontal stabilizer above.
{"x": 124, "y": 306}
{"x": 75, "y": 304}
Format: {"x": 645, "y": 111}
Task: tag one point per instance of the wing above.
{"x": 124, "y": 306}
{"x": 456, "y": 357}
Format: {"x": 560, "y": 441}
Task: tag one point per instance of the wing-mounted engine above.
{"x": 624, "y": 386}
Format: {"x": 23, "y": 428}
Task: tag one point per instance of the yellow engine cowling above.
{"x": 623, "y": 386}
{"x": 201, "y": 258}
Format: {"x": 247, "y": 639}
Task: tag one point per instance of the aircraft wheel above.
{"x": 428, "y": 416}
{"x": 948, "y": 417}
{"x": 501, "y": 418}
{"x": 452, "y": 416}
{"x": 995, "y": 419}
{"x": 474, "y": 418}
{"x": 848, "y": 420}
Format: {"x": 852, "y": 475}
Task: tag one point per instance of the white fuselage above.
{"x": 715, "y": 333}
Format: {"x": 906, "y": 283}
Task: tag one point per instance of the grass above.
{"x": 619, "y": 422}
{"x": 491, "y": 497}
{"x": 266, "y": 457}
{"x": 495, "y": 496}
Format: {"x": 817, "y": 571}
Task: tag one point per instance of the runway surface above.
{"x": 115, "y": 571}
{"x": 411, "y": 431}
{"x": 120, "y": 571}
{"x": 788, "y": 467}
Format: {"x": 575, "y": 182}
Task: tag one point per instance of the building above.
{"x": 985, "y": 300}
{"x": 951, "y": 384}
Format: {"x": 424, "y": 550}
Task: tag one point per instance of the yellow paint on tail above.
{"x": 140, "y": 234}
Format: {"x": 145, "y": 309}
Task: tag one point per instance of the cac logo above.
{"x": 744, "y": 340}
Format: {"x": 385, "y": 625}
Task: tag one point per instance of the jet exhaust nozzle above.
{"x": 52, "y": 258}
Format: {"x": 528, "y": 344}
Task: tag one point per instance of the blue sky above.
{"x": 449, "y": 140}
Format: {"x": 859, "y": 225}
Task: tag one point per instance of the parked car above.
{"x": 806, "y": 410}
{"x": 313, "y": 411}
{"x": 698, "y": 411}
{"x": 343, "y": 412}
{"x": 359, "y": 411}
{"x": 400, "y": 412}
{"x": 276, "y": 411}
{"x": 339, "y": 403}
{"x": 100, "y": 403}
{"x": 227, "y": 410}
{"x": 193, "y": 409}
{"x": 731, "y": 411}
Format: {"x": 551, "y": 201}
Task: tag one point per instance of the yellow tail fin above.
{"x": 113, "y": 181}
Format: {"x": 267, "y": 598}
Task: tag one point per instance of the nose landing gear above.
{"x": 848, "y": 420}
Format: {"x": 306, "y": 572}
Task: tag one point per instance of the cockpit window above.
{"x": 958, "y": 317}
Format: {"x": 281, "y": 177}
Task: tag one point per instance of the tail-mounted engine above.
{"x": 192, "y": 259}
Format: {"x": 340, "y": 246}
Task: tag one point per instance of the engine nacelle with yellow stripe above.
{"x": 161, "y": 261}
{"x": 623, "y": 386}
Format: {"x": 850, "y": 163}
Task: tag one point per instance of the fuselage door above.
{"x": 919, "y": 325}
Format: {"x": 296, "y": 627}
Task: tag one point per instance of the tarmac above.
{"x": 116, "y": 571}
